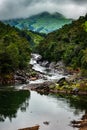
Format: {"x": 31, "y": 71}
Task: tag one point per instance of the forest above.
{"x": 68, "y": 44}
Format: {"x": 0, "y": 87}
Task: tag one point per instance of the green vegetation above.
{"x": 34, "y": 38}
{"x": 68, "y": 44}
{"x": 42, "y": 23}
{"x": 14, "y": 50}
{"x": 85, "y": 26}
{"x": 71, "y": 87}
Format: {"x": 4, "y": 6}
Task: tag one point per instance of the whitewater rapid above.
{"x": 49, "y": 74}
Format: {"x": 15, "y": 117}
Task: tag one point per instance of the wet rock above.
{"x": 20, "y": 79}
{"x": 84, "y": 117}
{"x": 46, "y": 123}
{"x": 81, "y": 124}
{"x": 41, "y": 88}
{"x": 20, "y": 73}
{"x": 60, "y": 64}
{"x": 33, "y": 78}
{"x": 73, "y": 77}
{"x": 31, "y": 128}
{"x": 62, "y": 81}
{"x": 45, "y": 64}
{"x": 75, "y": 90}
{"x": 52, "y": 65}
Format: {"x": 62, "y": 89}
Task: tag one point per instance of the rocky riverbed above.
{"x": 45, "y": 77}
{"x": 81, "y": 124}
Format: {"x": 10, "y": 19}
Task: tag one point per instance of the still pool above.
{"x": 25, "y": 109}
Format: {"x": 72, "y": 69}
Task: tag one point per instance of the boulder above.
{"x": 52, "y": 65}
{"x": 46, "y": 123}
{"x": 45, "y": 64}
{"x": 62, "y": 81}
{"x": 60, "y": 64}
{"x": 20, "y": 79}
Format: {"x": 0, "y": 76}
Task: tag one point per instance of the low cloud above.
{"x": 25, "y": 8}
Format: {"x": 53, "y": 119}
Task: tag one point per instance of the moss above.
{"x": 84, "y": 72}
{"x": 78, "y": 85}
{"x": 85, "y": 26}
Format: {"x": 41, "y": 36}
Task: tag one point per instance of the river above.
{"x": 49, "y": 73}
{"x": 34, "y": 109}
{"x": 19, "y": 109}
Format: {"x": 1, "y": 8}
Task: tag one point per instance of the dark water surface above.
{"x": 19, "y": 109}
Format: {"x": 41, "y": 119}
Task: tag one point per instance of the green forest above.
{"x": 43, "y": 64}
{"x": 14, "y": 49}
{"x": 68, "y": 44}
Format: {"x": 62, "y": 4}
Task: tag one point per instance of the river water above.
{"x": 34, "y": 109}
{"x": 19, "y": 109}
{"x": 49, "y": 74}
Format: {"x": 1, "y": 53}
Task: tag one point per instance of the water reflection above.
{"x": 40, "y": 108}
{"x": 75, "y": 102}
{"x": 11, "y": 101}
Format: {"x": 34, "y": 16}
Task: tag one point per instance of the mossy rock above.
{"x": 62, "y": 82}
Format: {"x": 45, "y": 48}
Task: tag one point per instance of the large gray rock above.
{"x": 52, "y": 65}
{"x": 45, "y": 64}
{"x": 21, "y": 77}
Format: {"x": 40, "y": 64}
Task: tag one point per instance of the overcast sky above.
{"x": 25, "y": 8}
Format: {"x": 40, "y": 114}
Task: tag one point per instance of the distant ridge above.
{"x": 42, "y": 23}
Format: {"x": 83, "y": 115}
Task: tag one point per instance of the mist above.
{"x": 25, "y": 8}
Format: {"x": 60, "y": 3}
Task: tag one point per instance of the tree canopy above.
{"x": 68, "y": 44}
{"x": 14, "y": 49}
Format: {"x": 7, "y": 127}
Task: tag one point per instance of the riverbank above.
{"x": 31, "y": 128}
{"x": 46, "y": 77}
{"x": 19, "y": 76}
{"x": 63, "y": 86}
{"x": 81, "y": 124}
{"x": 38, "y": 111}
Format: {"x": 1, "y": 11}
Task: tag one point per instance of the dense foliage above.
{"x": 14, "y": 49}
{"x": 68, "y": 44}
{"x": 33, "y": 37}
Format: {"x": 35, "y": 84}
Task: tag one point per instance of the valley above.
{"x": 43, "y": 65}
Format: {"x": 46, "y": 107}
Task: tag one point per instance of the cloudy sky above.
{"x": 25, "y": 8}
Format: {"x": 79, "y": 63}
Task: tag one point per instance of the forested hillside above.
{"x": 68, "y": 44}
{"x": 14, "y": 49}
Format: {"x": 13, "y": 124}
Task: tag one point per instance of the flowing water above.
{"x": 49, "y": 74}
{"x": 20, "y": 109}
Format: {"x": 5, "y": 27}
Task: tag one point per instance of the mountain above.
{"x": 42, "y": 23}
{"x": 68, "y": 44}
